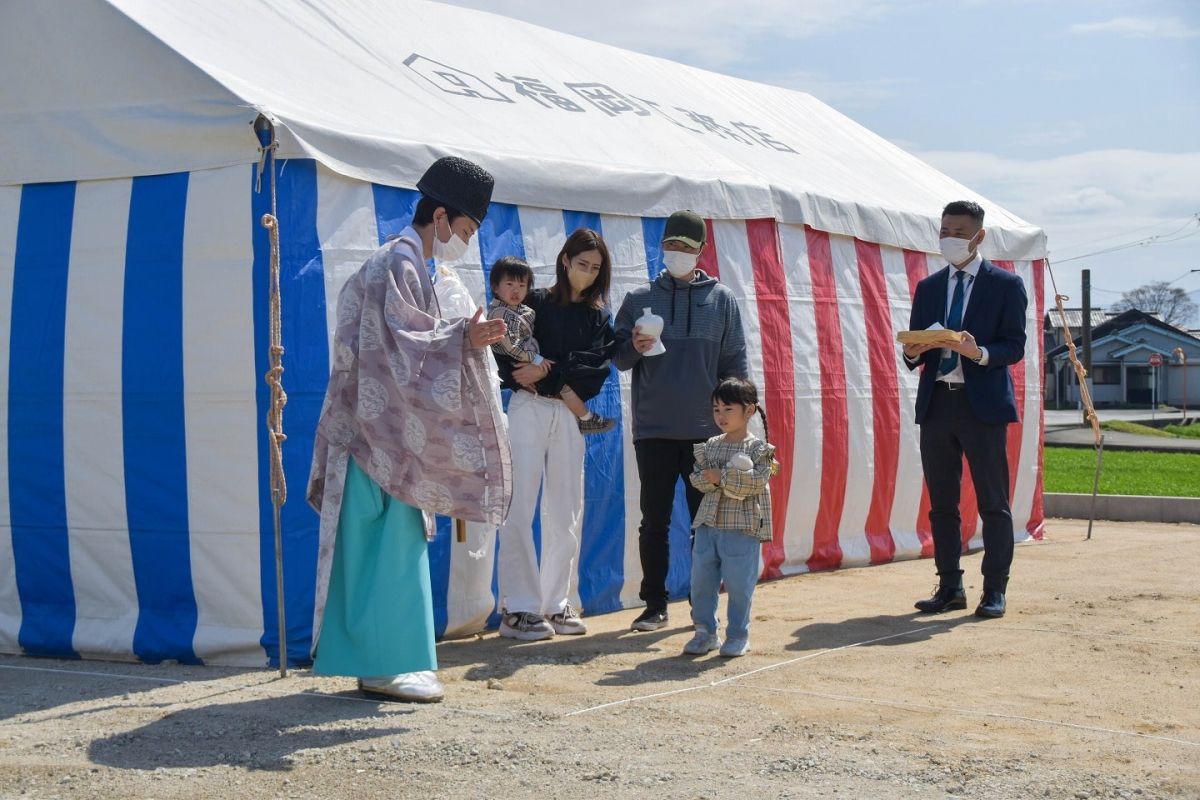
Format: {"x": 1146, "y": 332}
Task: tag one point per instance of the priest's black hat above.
{"x": 460, "y": 184}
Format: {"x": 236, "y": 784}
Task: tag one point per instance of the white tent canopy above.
{"x": 140, "y": 87}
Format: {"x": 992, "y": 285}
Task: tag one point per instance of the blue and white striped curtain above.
{"x": 135, "y": 515}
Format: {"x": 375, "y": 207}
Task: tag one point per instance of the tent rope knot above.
{"x": 274, "y": 375}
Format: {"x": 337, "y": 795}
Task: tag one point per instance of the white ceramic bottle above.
{"x": 741, "y": 461}
{"x": 651, "y": 324}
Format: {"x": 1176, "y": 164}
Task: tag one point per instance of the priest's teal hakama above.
{"x": 379, "y": 612}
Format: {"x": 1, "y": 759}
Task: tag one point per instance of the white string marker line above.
{"x": 264, "y": 689}
{"x": 972, "y": 713}
{"x": 1091, "y": 635}
{"x": 92, "y": 674}
{"x": 711, "y": 684}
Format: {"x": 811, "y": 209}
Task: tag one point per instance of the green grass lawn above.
{"x": 1190, "y": 431}
{"x": 1125, "y": 472}
{"x": 1136, "y": 427}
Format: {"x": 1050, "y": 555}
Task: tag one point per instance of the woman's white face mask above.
{"x": 679, "y": 263}
{"x": 450, "y": 250}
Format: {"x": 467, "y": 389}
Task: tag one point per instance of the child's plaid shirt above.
{"x": 518, "y": 342}
{"x": 749, "y": 508}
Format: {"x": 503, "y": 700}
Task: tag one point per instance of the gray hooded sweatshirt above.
{"x": 672, "y": 392}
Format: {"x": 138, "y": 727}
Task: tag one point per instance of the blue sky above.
{"x": 1082, "y": 116}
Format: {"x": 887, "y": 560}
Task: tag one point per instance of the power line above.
{"x": 1164, "y": 238}
{"x": 1186, "y": 219}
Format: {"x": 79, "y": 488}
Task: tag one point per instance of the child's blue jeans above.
{"x": 730, "y": 556}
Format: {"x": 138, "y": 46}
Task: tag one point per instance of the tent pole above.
{"x": 265, "y": 130}
{"x": 1095, "y": 484}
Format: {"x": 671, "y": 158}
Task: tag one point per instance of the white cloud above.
{"x": 1140, "y": 28}
{"x": 1052, "y": 137}
{"x": 1088, "y": 200}
{"x": 1092, "y": 201}
{"x": 707, "y": 33}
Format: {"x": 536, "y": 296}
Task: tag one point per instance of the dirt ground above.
{"x": 1089, "y": 687}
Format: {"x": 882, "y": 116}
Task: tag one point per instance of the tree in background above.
{"x": 1171, "y": 303}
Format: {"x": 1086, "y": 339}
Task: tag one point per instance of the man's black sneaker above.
{"x": 651, "y": 619}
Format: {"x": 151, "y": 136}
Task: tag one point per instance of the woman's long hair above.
{"x": 581, "y": 241}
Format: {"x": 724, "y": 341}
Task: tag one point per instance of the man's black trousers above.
{"x": 949, "y": 431}
{"x": 661, "y": 462}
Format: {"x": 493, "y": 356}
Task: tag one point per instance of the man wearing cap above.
{"x": 410, "y": 428}
{"x": 672, "y": 405}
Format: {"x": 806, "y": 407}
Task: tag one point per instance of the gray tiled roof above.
{"x": 1075, "y": 317}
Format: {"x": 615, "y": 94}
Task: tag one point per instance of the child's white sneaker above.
{"x": 525, "y": 626}
{"x": 567, "y": 622}
{"x": 735, "y": 647}
{"x": 702, "y": 642}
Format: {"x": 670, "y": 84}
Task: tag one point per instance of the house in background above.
{"x": 1053, "y": 325}
{"x": 1122, "y": 347}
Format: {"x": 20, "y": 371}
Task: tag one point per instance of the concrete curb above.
{"x": 1111, "y": 445}
{"x": 1124, "y": 507}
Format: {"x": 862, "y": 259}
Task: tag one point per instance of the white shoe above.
{"x": 414, "y": 687}
{"x": 567, "y": 622}
{"x": 735, "y": 647}
{"x": 702, "y": 642}
{"x": 525, "y": 626}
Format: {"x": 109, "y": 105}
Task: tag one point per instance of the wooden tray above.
{"x": 942, "y": 337}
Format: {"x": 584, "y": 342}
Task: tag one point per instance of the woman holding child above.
{"x": 574, "y": 337}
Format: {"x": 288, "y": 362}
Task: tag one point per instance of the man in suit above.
{"x": 965, "y": 402}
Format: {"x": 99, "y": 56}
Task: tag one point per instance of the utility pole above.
{"x": 1086, "y": 335}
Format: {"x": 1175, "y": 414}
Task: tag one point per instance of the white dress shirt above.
{"x": 971, "y": 271}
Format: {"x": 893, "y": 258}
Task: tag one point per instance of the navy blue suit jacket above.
{"x": 995, "y": 316}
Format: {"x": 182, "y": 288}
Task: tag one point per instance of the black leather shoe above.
{"x": 945, "y": 598}
{"x": 991, "y": 605}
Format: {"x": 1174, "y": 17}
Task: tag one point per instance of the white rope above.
{"x": 713, "y": 684}
{"x": 261, "y": 688}
{"x": 969, "y": 712}
{"x": 1085, "y": 396}
{"x": 1089, "y": 635}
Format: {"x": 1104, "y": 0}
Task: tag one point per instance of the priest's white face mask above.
{"x": 453, "y": 248}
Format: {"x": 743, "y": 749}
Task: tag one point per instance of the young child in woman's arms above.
{"x": 732, "y": 469}
{"x": 512, "y": 280}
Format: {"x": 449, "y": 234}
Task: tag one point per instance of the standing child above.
{"x": 732, "y": 470}
{"x": 511, "y": 281}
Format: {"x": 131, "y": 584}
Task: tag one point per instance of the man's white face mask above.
{"x": 956, "y": 250}
{"x": 680, "y": 264}
{"x": 451, "y": 250}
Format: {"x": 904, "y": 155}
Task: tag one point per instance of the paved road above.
{"x": 1069, "y": 417}
{"x": 1118, "y": 440}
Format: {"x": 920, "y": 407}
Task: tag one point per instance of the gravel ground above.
{"x": 1088, "y": 688}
